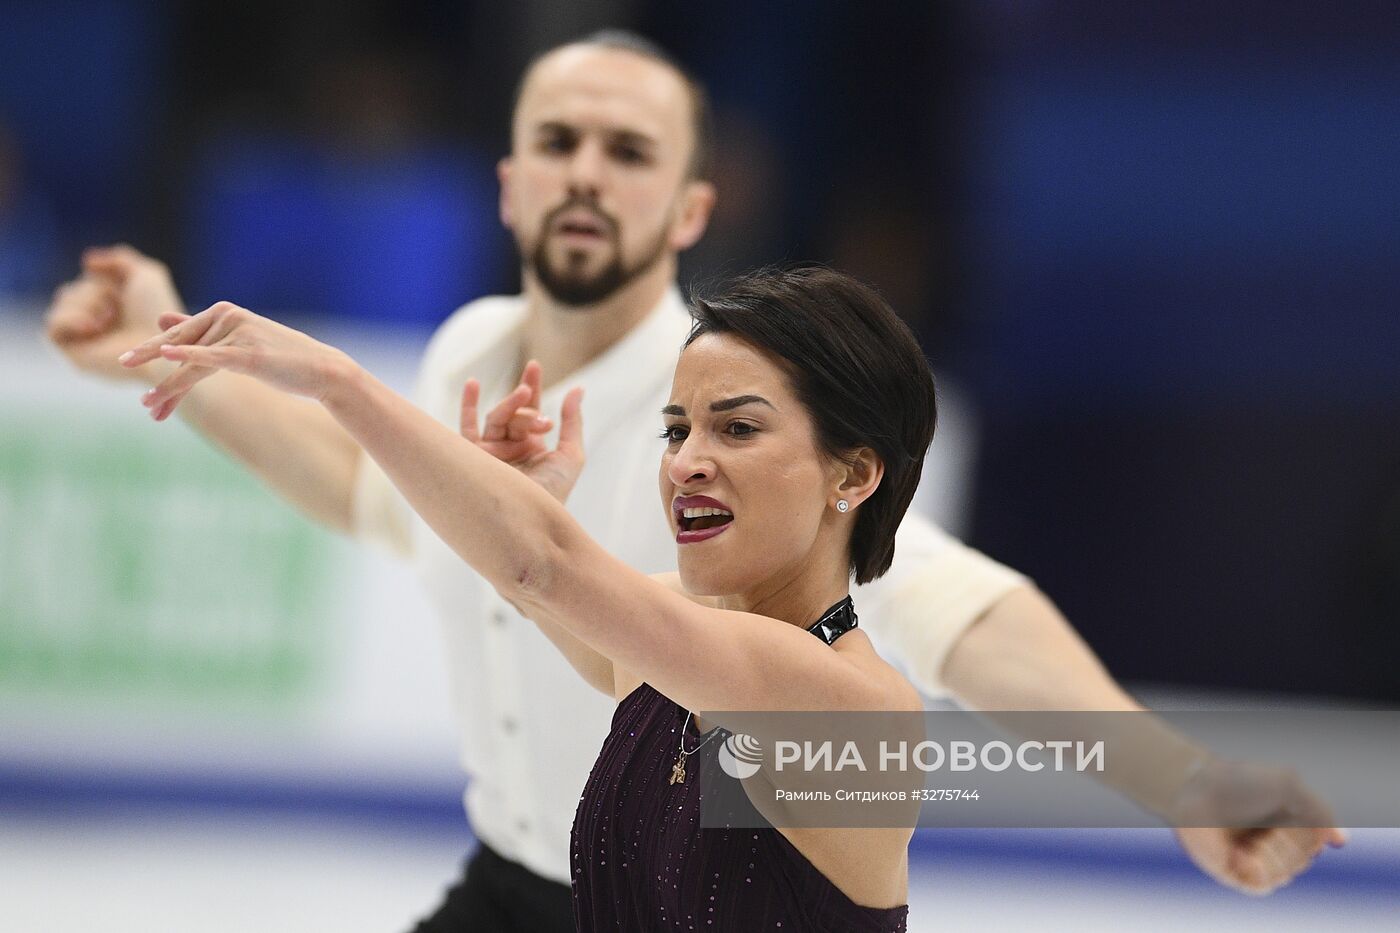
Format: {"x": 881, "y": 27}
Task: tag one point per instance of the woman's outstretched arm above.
{"x": 525, "y": 543}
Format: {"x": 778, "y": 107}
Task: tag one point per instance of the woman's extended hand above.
{"x": 515, "y": 428}
{"x": 225, "y": 336}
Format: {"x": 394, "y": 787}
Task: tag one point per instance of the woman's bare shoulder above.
{"x": 856, "y": 648}
{"x": 672, "y": 581}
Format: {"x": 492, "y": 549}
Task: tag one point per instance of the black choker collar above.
{"x": 835, "y": 622}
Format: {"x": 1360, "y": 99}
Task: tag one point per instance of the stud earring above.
{"x": 842, "y": 505}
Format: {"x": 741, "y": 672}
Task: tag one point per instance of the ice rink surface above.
{"x": 224, "y": 869}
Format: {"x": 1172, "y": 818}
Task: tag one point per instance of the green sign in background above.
{"x": 150, "y": 569}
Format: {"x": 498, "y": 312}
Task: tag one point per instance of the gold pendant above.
{"x": 678, "y": 771}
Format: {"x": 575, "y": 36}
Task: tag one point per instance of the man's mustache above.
{"x": 587, "y": 204}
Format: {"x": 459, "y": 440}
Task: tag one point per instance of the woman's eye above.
{"x": 742, "y": 429}
{"x": 674, "y": 434}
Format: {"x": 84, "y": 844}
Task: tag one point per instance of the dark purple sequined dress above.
{"x": 641, "y": 861}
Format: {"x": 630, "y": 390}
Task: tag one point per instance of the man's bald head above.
{"x": 620, "y": 40}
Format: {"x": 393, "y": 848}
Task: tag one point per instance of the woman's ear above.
{"x": 860, "y": 477}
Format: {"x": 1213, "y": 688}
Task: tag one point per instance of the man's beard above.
{"x": 569, "y": 285}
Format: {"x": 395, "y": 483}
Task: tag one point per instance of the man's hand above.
{"x": 514, "y": 432}
{"x": 1252, "y": 860}
{"x": 116, "y": 303}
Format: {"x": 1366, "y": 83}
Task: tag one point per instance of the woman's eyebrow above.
{"x": 727, "y": 404}
{"x": 739, "y": 401}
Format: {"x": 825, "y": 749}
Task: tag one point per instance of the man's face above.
{"x": 594, "y": 189}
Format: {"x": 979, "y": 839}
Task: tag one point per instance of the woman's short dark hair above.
{"x": 855, "y": 366}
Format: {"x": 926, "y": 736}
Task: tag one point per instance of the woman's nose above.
{"x": 691, "y": 465}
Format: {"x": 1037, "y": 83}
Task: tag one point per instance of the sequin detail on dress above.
{"x": 641, "y": 862}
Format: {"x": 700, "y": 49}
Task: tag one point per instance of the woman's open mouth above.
{"x": 699, "y": 518}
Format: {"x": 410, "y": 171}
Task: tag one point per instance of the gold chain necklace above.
{"x": 678, "y": 769}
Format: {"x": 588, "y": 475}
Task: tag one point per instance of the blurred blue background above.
{"x": 1155, "y": 242}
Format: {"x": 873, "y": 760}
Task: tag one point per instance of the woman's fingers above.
{"x": 191, "y": 341}
{"x": 166, "y": 409}
{"x": 169, "y": 319}
{"x": 199, "y": 363}
{"x": 187, "y": 331}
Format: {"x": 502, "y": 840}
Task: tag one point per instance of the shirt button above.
{"x": 499, "y": 617}
{"x": 509, "y": 725}
{"x": 523, "y": 825}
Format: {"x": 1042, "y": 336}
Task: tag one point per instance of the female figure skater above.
{"x": 800, "y": 413}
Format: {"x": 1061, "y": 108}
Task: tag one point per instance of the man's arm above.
{"x": 293, "y": 446}
{"x": 1022, "y": 654}
{"x": 968, "y": 625}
